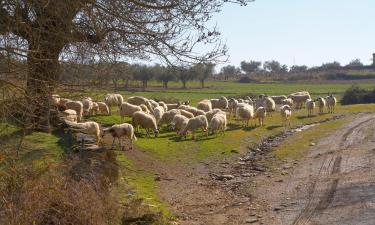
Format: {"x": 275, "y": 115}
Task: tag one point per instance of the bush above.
{"x": 357, "y": 95}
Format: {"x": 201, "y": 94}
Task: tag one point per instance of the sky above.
{"x": 299, "y": 32}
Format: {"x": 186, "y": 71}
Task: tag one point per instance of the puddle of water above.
{"x": 305, "y": 127}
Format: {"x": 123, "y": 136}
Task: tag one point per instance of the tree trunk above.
{"x": 43, "y": 69}
{"x": 165, "y": 84}
{"x": 127, "y": 84}
{"x": 202, "y": 83}
{"x": 184, "y": 84}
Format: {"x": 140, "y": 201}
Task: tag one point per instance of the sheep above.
{"x": 193, "y": 124}
{"x": 186, "y": 113}
{"x": 173, "y": 106}
{"x": 269, "y": 104}
{"x": 184, "y": 107}
{"x": 95, "y": 108}
{"x": 103, "y": 108}
{"x": 195, "y": 111}
{"x": 286, "y": 113}
{"x": 331, "y": 103}
{"x": 168, "y": 116}
{"x": 321, "y": 104}
{"x": 260, "y": 114}
{"x": 212, "y": 113}
{"x": 278, "y": 99}
{"x": 178, "y": 122}
{"x": 113, "y": 100}
{"x": 299, "y": 98}
{"x": 310, "y": 105}
{"x": 205, "y": 105}
{"x": 55, "y": 100}
{"x": 121, "y": 130}
{"x": 158, "y": 113}
{"x": 146, "y": 121}
{"x": 144, "y": 108}
{"x": 162, "y": 104}
{"x": 89, "y": 127}
{"x": 218, "y": 123}
{"x": 62, "y": 103}
{"x": 244, "y": 113}
{"x": 232, "y": 105}
{"x": 139, "y": 100}
{"x": 287, "y": 101}
{"x": 77, "y": 106}
{"x": 127, "y": 109}
{"x": 87, "y": 106}
{"x": 153, "y": 103}
{"x": 69, "y": 114}
{"x": 221, "y": 103}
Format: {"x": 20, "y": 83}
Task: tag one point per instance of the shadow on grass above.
{"x": 305, "y": 117}
{"x": 198, "y": 137}
{"x": 273, "y": 127}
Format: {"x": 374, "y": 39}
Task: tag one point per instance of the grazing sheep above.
{"x": 144, "y": 108}
{"x": 186, "y": 113}
{"x": 211, "y": 114}
{"x": 269, "y": 104}
{"x": 69, "y": 114}
{"x": 218, "y": 123}
{"x": 310, "y": 105}
{"x": 173, "y": 106}
{"x": 146, "y": 121}
{"x": 121, "y": 130}
{"x": 321, "y": 104}
{"x": 232, "y": 105}
{"x": 77, "y": 106}
{"x": 153, "y": 103}
{"x": 240, "y": 100}
{"x": 168, "y": 116}
{"x": 139, "y": 100}
{"x": 162, "y": 104}
{"x": 260, "y": 114}
{"x": 244, "y": 113}
{"x": 286, "y": 113}
{"x": 184, "y": 107}
{"x": 205, "y": 105}
{"x": 95, "y": 108}
{"x": 90, "y": 128}
{"x": 195, "y": 111}
{"x": 221, "y": 103}
{"x": 299, "y": 98}
{"x": 62, "y": 103}
{"x": 287, "y": 101}
{"x": 331, "y": 103}
{"x": 103, "y": 108}
{"x": 193, "y": 124}
{"x": 55, "y": 100}
{"x": 279, "y": 98}
{"x": 127, "y": 109}
{"x": 178, "y": 122}
{"x": 113, "y": 100}
{"x": 87, "y": 106}
{"x": 158, "y": 113}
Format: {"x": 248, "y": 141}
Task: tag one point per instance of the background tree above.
{"x": 355, "y": 63}
{"x": 250, "y": 67}
{"x": 165, "y": 75}
{"x": 184, "y": 75}
{"x": 229, "y": 71}
{"x": 203, "y": 71}
{"x": 43, "y": 32}
{"x": 143, "y": 73}
{"x": 331, "y": 66}
{"x": 298, "y": 69}
{"x": 273, "y": 66}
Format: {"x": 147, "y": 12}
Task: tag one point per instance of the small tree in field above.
{"x": 203, "y": 71}
{"x": 229, "y": 71}
{"x": 166, "y": 74}
{"x": 250, "y": 67}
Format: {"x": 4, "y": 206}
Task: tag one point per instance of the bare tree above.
{"x": 44, "y": 32}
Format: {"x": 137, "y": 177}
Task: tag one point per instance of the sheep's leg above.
{"x": 113, "y": 142}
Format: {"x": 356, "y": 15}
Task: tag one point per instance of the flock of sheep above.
{"x": 210, "y": 115}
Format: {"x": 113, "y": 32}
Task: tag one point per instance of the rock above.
{"x": 227, "y": 177}
{"x": 251, "y": 220}
{"x": 157, "y": 178}
{"x": 234, "y": 151}
{"x": 277, "y": 208}
{"x": 246, "y": 175}
{"x": 312, "y": 144}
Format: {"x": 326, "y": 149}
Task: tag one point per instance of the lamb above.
{"x": 279, "y": 98}
{"x": 144, "y": 108}
{"x": 103, "y": 108}
{"x": 221, "y": 103}
{"x": 286, "y": 113}
{"x": 178, "y": 122}
{"x": 193, "y": 124}
{"x": 321, "y": 104}
{"x": 186, "y": 113}
{"x": 310, "y": 105}
{"x": 113, "y": 100}
{"x": 212, "y": 113}
{"x": 69, "y": 114}
{"x": 87, "y": 106}
{"x": 90, "y": 128}
{"x": 287, "y": 101}
{"x": 158, "y": 113}
{"x": 331, "y": 103}
{"x": 168, "y": 116}
{"x": 232, "y": 105}
{"x": 121, "y": 130}
{"x": 127, "y": 109}
{"x": 77, "y": 106}
{"x": 195, "y": 111}
{"x": 205, "y": 105}
{"x": 244, "y": 113}
{"x": 218, "y": 123}
{"x": 162, "y": 104}
{"x": 139, "y": 100}
{"x": 260, "y": 114}
{"x": 146, "y": 121}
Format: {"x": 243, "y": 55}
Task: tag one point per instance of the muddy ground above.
{"x": 333, "y": 183}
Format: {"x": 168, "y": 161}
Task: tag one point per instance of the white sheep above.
{"x": 210, "y": 114}
{"x": 331, "y": 103}
{"x": 205, "y": 105}
{"x": 269, "y": 104}
{"x": 287, "y": 101}
{"x": 278, "y": 98}
{"x": 195, "y": 111}
{"x": 173, "y": 106}
{"x": 321, "y": 104}
{"x": 310, "y": 105}
{"x": 139, "y": 100}
{"x": 168, "y": 116}
{"x": 127, "y": 109}
{"x": 186, "y": 113}
{"x": 299, "y": 98}
{"x": 55, "y": 100}
{"x": 161, "y": 103}
{"x": 87, "y": 106}
{"x": 232, "y": 105}
{"x": 221, "y": 103}
{"x": 113, "y": 100}
{"x": 103, "y": 108}
{"x": 218, "y": 123}
{"x": 178, "y": 122}
{"x": 286, "y": 113}
{"x": 121, "y": 130}
{"x": 62, "y": 102}
{"x": 69, "y": 114}
{"x": 144, "y": 108}
{"x": 260, "y": 114}
{"x": 193, "y": 124}
{"x": 146, "y": 121}
{"x": 77, "y": 106}
{"x": 153, "y": 103}
{"x": 244, "y": 113}
{"x": 158, "y": 113}
{"x": 90, "y": 128}
{"x": 95, "y": 108}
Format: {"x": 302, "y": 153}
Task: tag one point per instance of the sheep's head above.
{"x": 156, "y": 133}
